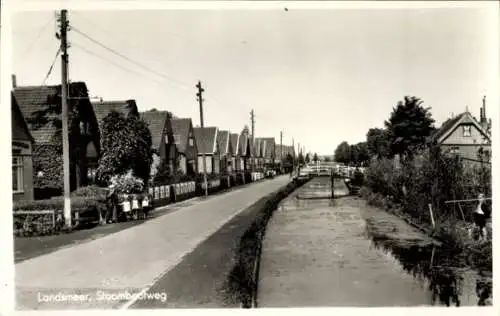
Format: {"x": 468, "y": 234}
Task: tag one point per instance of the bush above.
{"x": 88, "y": 209}
{"x": 126, "y": 184}
{"x": 93, "y": 191}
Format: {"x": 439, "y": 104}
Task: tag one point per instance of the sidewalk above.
{"x": 132, "y": 259}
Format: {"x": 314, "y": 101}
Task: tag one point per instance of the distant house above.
{"x": 22, "y": 156}
{"x": 163, "y": 142}
{"x": 463, "y": 135}
{"x": 257, "y": 152}
{"x": 269, "y": 149}
{"x": 41, "y": 108}
{"x": 238, "y": 163}
{"x": 185, "y": 141}
{"x": 206, "y": 139}
{"x": 245, "y": 149}
{"x": 226, "y": 151}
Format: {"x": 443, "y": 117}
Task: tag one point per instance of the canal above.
{"x": 319, "y": 252}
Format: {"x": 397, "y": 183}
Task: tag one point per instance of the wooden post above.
{"x": 432, "y": 216}
{"x": 461, "y": 211}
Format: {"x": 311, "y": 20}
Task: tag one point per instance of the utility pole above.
{"x": 293, "y": 155}
{"x": 64, "y": 103}
{"x": 281, "y": 151}
{"x": 252, "y": 118}
{"x": 200, "y": 100}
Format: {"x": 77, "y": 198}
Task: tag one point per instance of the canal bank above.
{"x": 321, "y": 253}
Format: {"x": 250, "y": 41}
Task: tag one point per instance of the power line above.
{"x": 111, "y": 62}
{"x": 51, "y": 66}
{"x": 39, "y": 35}
{"x": 181, "y": 84}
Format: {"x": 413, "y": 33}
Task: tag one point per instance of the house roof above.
{"x": 450, "y": 125}
{"x": 103, "y": 108}
{"x": 234, "y": 139}
{"x": 156, "y": 121}
{"x": 16, "y": 111}
{"x": 223, "y": 140}
{"x": 37, "y": 102}
{"x": 256, "y": 148}
{"x": 269, "y": 147}
{"x": 180, "y": 128}
{"x": 206, "y": 139}
{"x": 243, "y": 144}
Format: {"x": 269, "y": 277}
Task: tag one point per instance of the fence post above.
{"x": 432, "y": 216}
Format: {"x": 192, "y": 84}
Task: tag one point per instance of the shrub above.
{"x": 126, "y": 184}
{"x": 93, "y": 191}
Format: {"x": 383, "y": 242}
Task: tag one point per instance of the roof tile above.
{"x": 205, "y": 139}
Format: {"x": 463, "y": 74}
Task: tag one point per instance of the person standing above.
{"x": 480, "y": 217}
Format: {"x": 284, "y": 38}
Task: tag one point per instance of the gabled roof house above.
{"x": 464, "y": 135}
{"x": 206, "y": 139}
{"x": 185, "y": 141}
{"x": 41, "y": 109}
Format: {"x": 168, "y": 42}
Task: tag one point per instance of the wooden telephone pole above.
{"x": 252, "y": 119}
{"x": 200, "y": 100}
{"x": 64, "y": 103}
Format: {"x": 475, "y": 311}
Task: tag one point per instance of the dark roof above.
{"x": 205, "y": 139}
{"x": 33, "y": 101}
{"x": 235, "y": 144}
{"x": 256, "y": 147}
{"x": 223, "y": 139}
{"x": 16, "y": 113}
{"x": 103, "y": 108}
{"x": 243, "y": 144}
{"x": 446, "y": 126}
{"x": 180, "y": 129}
{"x": 157, "y": 122}
{"x": 269, "y": 144}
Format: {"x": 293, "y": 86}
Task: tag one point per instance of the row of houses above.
{"x": 36, "y": 141}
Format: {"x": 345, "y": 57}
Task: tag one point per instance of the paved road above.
{"x": 127, "y": 262}
{"x": 315, "y": 253}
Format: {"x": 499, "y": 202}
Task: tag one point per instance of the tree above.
{"x": 409, "y": 127}
{"x": 315, "y": 157}
{"x": 362, "y": 153}
{"x": 301, "y": 159}
{"x": 378, "y": 143}
{"x": 308, "y": 158}
{"x": 327, "y": 159}
{"x": 342, "y": 153}
{"x": 126, "y": 145}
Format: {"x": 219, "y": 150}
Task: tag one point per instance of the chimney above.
{"x": 14, "y": 82}
{"x": 484, "y": 120}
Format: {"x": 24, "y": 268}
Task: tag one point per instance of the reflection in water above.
{"x": 441, "y": 268}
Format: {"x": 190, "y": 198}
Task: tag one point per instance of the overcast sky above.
{"x": 320, "y": 76}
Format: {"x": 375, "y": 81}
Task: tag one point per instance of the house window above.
{"x": 166, "y": 139}
{"x": 454, "y": 150}
{"x": 17, "y": 174}
{"x": 467, "y": 131}
{"x": 191, "y": 142}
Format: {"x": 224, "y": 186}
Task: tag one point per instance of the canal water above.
{"x": 319, "y": 252}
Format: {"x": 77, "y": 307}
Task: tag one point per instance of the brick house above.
{"x": 187, "y": 148}
{"x": 206, "y": 139}
{"x": 238, "y": 163}
{"x": 22, "y": 156}
{"x": 162, "y": 138}
{"x": 226, "y": 151}
{"x": 269, "y": 148}
{"x": 463, "y": 135}
{"x": 41, "y": 108}
{"x": 245, "y": 149}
